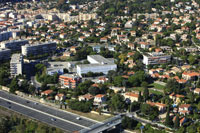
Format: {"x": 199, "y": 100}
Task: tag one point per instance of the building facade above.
{"x": 97, "y": 64}
{"x": 14, "y": 45}
{"x": 69, "y": 81}
{"x": 16, "y": 65}
{"x": 5, "y": 35}
{"x": 36, "y": 49}
{"x": 156, "y": 58}
{"x": 5, "y": 54}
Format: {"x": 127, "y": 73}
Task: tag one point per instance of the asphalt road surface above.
{"x": 49, "y": 115}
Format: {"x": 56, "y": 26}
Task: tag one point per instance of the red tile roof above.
{"x": 100, "y": 95}
{"x": 131, "y": 94}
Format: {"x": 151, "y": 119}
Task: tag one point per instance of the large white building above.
{"x": 14, "y": 44}
{"x": 5, "y": 54}
{"x": 97, "y": 64}
{"x": 38, "y": 49}
{"x": 16, "y": 65}
{"x": 156, "y": 58}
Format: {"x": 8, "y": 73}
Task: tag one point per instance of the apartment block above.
{"x": 5, "y": 54}
{"x": 156, "y": 58}
{"x": 69, "y": 80}
{"x": 16, "y": 65}
{"x": 14, "y": 45}
{"x": 37, "y": 49}
{"x": 5, "y": 35}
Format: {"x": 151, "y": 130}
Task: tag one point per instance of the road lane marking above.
{"x": 69, "y": 113}
{"x": 45, "y": 113}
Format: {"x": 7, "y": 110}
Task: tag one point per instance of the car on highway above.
{"x": 9, "y": 107}
{"x": 78, "y": 118}
{"x": 108, "y": 124}
{"x": 27, "y": 102}
{"x": 36, "y": 103}
{"x": 53, "y": 119}
{"x": 9, "y": 102}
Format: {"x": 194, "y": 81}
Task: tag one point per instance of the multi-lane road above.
{"x": 58, "y": 118}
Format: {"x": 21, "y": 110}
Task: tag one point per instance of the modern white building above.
{"x": 97, "y": 64}
{"x": 38, "y": 49}
{"x": 14, "y": 44}
{"x": 16, "y": 65}
{"x": 156, "y": 58}
{"x": 5, "y": 54}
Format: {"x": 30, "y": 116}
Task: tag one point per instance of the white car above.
{"x": 78, "y": 118}
{"x": 53, "y": 119}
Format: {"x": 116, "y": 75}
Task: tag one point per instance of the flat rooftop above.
{"x": 100, "y": 59}
{"x": 16, "y": 58}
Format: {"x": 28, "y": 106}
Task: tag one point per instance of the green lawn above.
{"x": 157, "y": 86}
{"x": 90, "y": 115}
{"x": 141, "y": 89}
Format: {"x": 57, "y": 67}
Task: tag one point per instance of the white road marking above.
{"x": 44, "y": 113}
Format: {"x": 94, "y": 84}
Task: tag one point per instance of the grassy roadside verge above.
{"x": 90, "y": 115}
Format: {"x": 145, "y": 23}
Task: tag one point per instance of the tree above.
{"x": 144, "y": 84}
{"x": 146, "y": 94}
{"x": 129, "y": 123}
{"x": 191, "y": 97}
{"x": 192, "y": 59}
{"x": 151, "y": 111}
{"x": 137, "y": 78}
{"x": 177, "y": 122}
{"x": 140, "y": 97}
{"x": 14, "y": 85}
{"x": 82, "y": 88}
{"x": 168, "y": 120}
{"x": 118, "y": 80}
{"x": 172, "y": 86}
{"x": 94, "y": 90}
{"x": 117, "y": 102}
{"x": 134, "y": 106}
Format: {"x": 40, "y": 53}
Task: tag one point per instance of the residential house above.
{"x": 131, "y": 96}
{"x": 67, "y": 54}
{"x": 46, "y": 92}
{"x": 63, "y": 35}
{"x": 102, "y": 80}
{"x": 185, "y": 109}
{"x": 60, "y": 97}
{"x": 144, "y": 45}
{"x": 176, "y": 97}
{"x": 128, "y": 24}
{"x": 85, "y": 97}
{"x": 197, "y": 91}
{"x": 99, "y": 99}
{"x": 161, "y": 106}
{"x": 182, "y": 120}
{"x": 81, "y": 38}
{"x": 131, "y": 46}
{"x": 104, "y": 40}
{"x": 117, "y": 89}
{"x": 73, "y": 49}
{"x": 191, "y": 75}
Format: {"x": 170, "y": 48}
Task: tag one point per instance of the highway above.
{"x": 64, "y": 120}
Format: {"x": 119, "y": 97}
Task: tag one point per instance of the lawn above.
{"x": 141, "y": 89}
{"x": 90, "y": 115}
{"x": 157, "y": 86}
